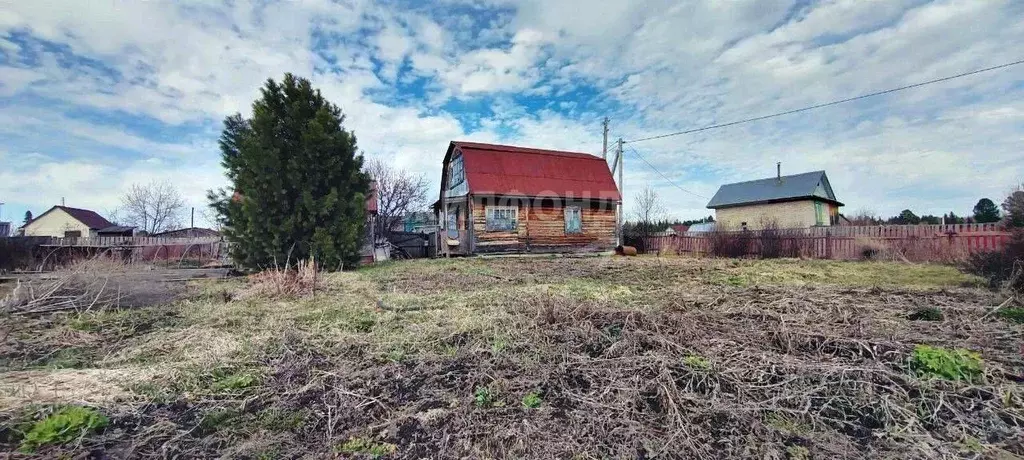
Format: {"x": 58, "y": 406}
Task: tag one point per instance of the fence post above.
{"x": 828, "y": 244}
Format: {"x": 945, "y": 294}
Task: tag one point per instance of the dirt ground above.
{"x": 582, "y": 358}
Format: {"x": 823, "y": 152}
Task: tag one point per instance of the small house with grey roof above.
{"x": 795, "y": 201}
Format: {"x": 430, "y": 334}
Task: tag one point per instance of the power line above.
{"x": 818, "y": 106}
{"x": 663, "y": 176}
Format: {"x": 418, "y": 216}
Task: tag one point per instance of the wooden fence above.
{"x": 912, "y": 242}
{"x": 51, "y": 251}
{"x": 128, "y": 241}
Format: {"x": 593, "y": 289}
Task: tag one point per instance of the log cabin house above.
{"x": 505, "y": 199}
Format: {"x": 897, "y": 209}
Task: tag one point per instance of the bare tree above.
{"x": 648, "y": 208}
{"x": 646, "y": 212}
{"x": 399, "y": 193}
{"x": 155, "y": 207}
{"x": 865, "y": 216}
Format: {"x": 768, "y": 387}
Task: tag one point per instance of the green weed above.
{"x": 532, "y": 400}
{"x": 238, "y": 381}
{"x": 63, "y": 426}
{"x": 367, "y": 446}
{"x": 395, "y": 355}
{"x": 1012, "y": 314}
{"x": 345, "y": 317}
{"x": 735, "y": 281}
{"x": 971, "y": 444}
{"x": 484, "y": 397}
{"x": 699, "y": 363}
{"x": 798, "y": 453}
{"x": 216, "y": 419}
{"x": 786, "y": 424}
{"x": 957, "y": 364}
{"x": 69, "y": 358}
{"x": 498, "y": 345}
{"x": 926, "y": 314}
{"x": 275, "y": 419}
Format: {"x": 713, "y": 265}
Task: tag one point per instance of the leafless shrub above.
{"x": 723, "y": 243}
{"x": 870, "y": 248}
{"x": 1001, "y": 268}
{"x": 864, "y": 216}
{"x": 84, "y": 285}
{"x": 277, "y": 283}
{"x": 770, "y": 240}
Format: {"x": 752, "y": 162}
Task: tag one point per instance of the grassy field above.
{"x": 581, "y": 358}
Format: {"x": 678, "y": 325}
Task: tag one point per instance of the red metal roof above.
{"x": 517, "y": 171}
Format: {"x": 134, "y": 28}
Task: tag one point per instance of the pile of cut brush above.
{"x": 83, "y": 286}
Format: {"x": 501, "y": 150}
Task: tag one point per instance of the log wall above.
{"x": 541, "y": 227}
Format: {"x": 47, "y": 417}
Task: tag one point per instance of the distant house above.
{"x": 67, "y": 222}
{"x": 676, "y": 230}
{"x": 372, "y": 250}
{"x": 500, "y": 198}
{"x": 698, "y": 229}
{"x": 5, "y": 229}
{"x": 416, "y": 222}
{"x": 796, "y": 201}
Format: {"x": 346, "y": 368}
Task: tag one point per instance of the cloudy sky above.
{"x": 95, "y": 96}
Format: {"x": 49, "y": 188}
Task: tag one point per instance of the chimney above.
{"x": 778, "y": 171}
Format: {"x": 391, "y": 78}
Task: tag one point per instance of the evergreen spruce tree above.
{"x": 1014, "y": 208}
{"x": 28, "y": 217}
{"x": 986, "y": 212}
{"x": 298, "y": 189}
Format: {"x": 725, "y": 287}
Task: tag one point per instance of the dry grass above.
{"x": 278, "y": 283}
{"x": 629, "y": 357}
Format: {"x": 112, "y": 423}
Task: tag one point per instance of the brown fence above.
{"x": 913, "y": 242}
{"x": 41, "y": 253}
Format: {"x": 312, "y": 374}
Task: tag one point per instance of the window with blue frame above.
{"x": 573, "y": 219}
{"x": 501, "y": 218}
{"x": 457, "y": 172}
{"x": 453, "y": 223}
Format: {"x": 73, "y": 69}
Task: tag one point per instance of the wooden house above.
{"x": 505, "y": 199}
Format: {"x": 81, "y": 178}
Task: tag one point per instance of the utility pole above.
{"x": 618, "y": 227}
{"x": 604, "y": 144}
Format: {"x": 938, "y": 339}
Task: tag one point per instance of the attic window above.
{"x": 456, "y": 172}
{"x": 501, "y": 218}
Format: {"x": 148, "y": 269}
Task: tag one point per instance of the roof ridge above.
{"x": 72, "y": 207}
{"x": 526, "y": 150}
{"x": 776, "y": 178}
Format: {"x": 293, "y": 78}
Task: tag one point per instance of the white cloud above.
{"x": 654, "y": 67}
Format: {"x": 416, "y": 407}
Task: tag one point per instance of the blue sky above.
{"x": 98, "y": 96}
